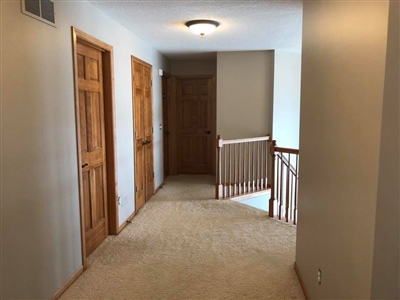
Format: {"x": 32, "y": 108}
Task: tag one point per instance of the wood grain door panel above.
{"x": 92, "y": 145}
{"x": 143, "y": 130}
{"x": 195, "y": 148}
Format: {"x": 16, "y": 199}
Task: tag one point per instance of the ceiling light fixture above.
{"x": 202, "y": 27}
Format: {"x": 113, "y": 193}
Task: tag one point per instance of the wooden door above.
{"x": 143, "y": 131}
{"x": 165, "y": 124}
{"x": 92, "y": 145}
{"x": 195, "y": 125}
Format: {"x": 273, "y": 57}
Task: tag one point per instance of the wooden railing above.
{"x": 284, "y": 183}
{"x": 242, "y": 166}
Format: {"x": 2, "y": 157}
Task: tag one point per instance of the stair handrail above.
{"x": 278, "y": 152}
{"x": 286, "y": 162}
{"x": 220, "y": 143}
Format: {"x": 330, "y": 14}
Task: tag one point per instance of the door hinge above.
{"x": 133, "y": 77}
{"x": 153, "y": 174}
{"x": 135, "y": 188}
{"x": 152, "y": 129}
{"x": 151, "y": 82}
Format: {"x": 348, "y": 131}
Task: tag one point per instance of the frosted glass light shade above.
{"x": 202, "y": 27}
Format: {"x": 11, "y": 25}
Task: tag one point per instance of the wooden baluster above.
{"x": 296, "y": 192}
{"x": 291, "y": 196}
{"x": 272, "y": 198}
{"x": 262, "y": 165}
{"x": 229, "y": 171}
{"x": 243, "y": 170}
{"x": 240, "y": 169}
{"x": 266, "y": 164}
{"x": 244, "y": 167}
{"x": 237, "y": 168}
{"x": 281, "y": 186}
{"x": 265, "y": 151}
{"x": 224, "y": 184}
{"x": 277, "y": 184}
{"x": 218, "y": 190}
{"x": 254, "y": 167}
{"x": 248, "y": 167}
{"x": 258, "y": 165}
{"x": 287, "y": 189}
{"x": 233, "y": 169}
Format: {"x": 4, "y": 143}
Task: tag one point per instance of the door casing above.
{"x": 110, "y": 136}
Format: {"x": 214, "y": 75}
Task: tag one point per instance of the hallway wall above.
{"x": 348, "y": 206}
{"x": 194, "y": 67}
{"x": 245, "y": 84}
{"x": 41, "y": 243}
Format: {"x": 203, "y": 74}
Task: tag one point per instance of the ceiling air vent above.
{"x": 42, "y": 10}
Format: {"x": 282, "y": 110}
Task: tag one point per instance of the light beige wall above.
{"x": 40, "y": 232}
{"x": 343, "y": 73}
{"x": 245, "y": 81}
{"x": 194, "y": 67}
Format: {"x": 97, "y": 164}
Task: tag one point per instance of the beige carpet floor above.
{"x": 184, "y": 244}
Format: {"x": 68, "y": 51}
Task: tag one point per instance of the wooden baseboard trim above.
{"x": 126, "y": 222}
{"x": 67, "y": 284}
{"x": 159, "y": 188}
{"x": 303, "y": 285}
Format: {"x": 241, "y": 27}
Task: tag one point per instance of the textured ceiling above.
{"x": 244, "y": 25}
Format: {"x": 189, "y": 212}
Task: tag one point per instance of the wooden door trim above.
{"x": 138, "y": 60}
{"x": 110, "y": 132}
{"x": 166, "y": 114}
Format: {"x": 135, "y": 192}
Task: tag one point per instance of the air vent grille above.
{"x": 33, "y": 6}
{"x": 42, "y": 10}
{"x": 48, "y": 10}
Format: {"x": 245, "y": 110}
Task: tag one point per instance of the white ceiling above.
{"x": 244, "y": 25}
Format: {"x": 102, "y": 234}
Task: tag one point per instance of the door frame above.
{"x": 110, "y": 132}
{"x": 138, "y": 60}
{"x": 177, "y": 120}
{"x": 166, "y": 122}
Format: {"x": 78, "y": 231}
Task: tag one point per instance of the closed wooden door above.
{"x": 195, "y": 125}
{"x": 92, "y": 145}
{"x": 143, "y": 131}
{"x": 166, "y": 125}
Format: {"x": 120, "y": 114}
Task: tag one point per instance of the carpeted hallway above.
{"x": 186, "y": 245}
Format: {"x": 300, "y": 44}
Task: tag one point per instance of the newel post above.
{"x": 218, "y": 186}
{"x": 272, "y": 199}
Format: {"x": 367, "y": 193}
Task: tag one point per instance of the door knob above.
{"x": 207, "y": 131}
{"x": 85, "y": 165}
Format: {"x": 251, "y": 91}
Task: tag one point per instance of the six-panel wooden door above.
{"x": 195, "y": 142}
{"x": 143, "y": 131}
{"x": 92, "y": 145}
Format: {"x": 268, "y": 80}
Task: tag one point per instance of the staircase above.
{"x": 253, "y": 166}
